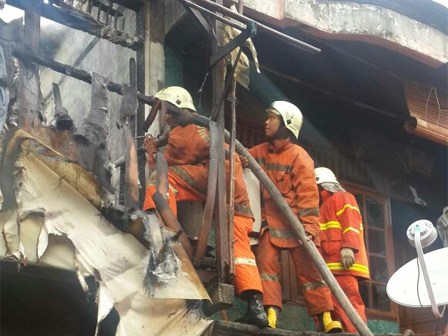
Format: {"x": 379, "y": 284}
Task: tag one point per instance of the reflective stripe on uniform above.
{"x": 345, "y": 207}
{"x": 350, "y": 229}
{"x": 282, "y": 233}
{"x": 245, "y": 261}
{"x": 355, "y": 267}
{"x": 268, "y": 277}
{"x": 204, "y": 133}
{"x": 278, "y": 167}
{"x": 179, "y": 171}
{"x": 243, "y": 209}
{"x": 309, "y": 212}
{"x": 330, "y": 225}
{"x": 273, "y": 166}
{"x": 313, "y": 285}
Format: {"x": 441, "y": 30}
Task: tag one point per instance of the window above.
{"x": 378, "y": 239}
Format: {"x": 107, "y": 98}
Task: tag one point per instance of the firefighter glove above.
{"x": 150, "y": 145}
{"x": 309, "y": 236}
{"x": 347, "y": 257}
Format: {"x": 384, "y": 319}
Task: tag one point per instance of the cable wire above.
{"x": 418, "y": 280}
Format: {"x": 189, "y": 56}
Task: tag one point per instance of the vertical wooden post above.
{"x": 29, "y": 95}
{"x": 150, "y": 67}
{"x": 225, "y": 259}
{"x": 32, "y": 30}
{"x": 231, "y": 214}
{"x": 136, "y": 126}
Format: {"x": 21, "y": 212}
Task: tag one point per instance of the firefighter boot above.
{"x": 255, "y": 314}
{"x": 273, "y": 314}
{"x": 327, "y": 325}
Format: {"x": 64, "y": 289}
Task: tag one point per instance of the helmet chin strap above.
{"x": 281, "y": 134}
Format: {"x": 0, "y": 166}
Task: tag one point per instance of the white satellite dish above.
{"x": 422, "y": 282}
{"x": 402, "y": 286}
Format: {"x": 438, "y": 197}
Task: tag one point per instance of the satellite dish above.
{"x": 405, "y": 287}
{"x": 402, "y": 286}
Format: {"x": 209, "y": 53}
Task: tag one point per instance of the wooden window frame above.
{"x": 387, "y": 215}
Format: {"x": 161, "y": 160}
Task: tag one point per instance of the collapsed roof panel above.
{"x": 49, "y": 194}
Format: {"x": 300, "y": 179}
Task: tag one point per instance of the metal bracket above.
{"x": 250, "y": 31}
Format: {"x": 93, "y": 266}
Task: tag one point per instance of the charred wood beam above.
{"x": 105, "y": 6}
{"x": 135, "y": 5}
{"x": 142, "y": 29}
{"x": 63, "y": 120}
{"x": 78, "y": 20}
{"x": 84, "y": 76}
{"x": 65, "y": 69}
{"x": 223, "y": 246}
{"x": 32, "y": 29}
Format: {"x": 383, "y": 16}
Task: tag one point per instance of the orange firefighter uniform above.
{"x": 341, "y": 227}
{"x": 187, "y": 155}
{"x": 292, "y": 171}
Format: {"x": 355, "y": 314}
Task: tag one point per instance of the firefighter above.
{"x": 292, "y": 171}
{"x": 187, "y": 154}
{"x": 342, "y": 242}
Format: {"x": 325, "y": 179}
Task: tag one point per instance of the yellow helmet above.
{"x": 177, "y": 96}
{"x": 291, "y": 115}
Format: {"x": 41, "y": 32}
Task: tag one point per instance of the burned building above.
{"x": 373, "y": 93}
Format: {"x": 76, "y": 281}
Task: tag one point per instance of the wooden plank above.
{"x": 32, "y": 30}
{"x": 225, "y": 259}
{"x": 222, "y": 296}
{"x": 225, "y": 328}
{"x": 231, "y": 187}
{"x": 143, "y": 63}
{"x": 78, "y": 20}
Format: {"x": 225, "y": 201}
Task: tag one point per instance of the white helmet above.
{"x": 291, "y": 115}
{"x": 177, "y": 96}
{"x": 326, "y": 178}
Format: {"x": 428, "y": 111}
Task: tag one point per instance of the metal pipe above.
{"x": 224, "y": 10}
{"x": 209, "y": 12}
